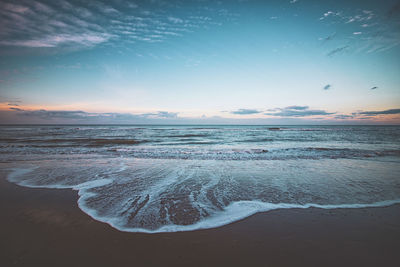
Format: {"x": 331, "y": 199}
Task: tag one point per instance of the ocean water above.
{"x": 180, "y": 178}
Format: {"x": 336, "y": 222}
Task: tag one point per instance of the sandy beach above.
{"x": 199, "y": 133}
{"x": 45, "y": 227}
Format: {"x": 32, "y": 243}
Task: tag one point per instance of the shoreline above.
{"x": 46, "y": 227}
{"x": 234, "y": 212}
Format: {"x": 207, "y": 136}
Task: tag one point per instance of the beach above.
{"x": 199, "y": 133}
{"x": 45, "y": 227}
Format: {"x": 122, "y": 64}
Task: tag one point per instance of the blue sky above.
{"x": 200, "y": 61}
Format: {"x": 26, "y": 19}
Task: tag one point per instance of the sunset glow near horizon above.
{"x": 190, "y": 62}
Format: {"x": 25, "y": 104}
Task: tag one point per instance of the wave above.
{"x": 190, "y": 148}
{"x": 254, "y": 153}
{"x": 257, "y": 140}
{"x": 231, "y": 212}
{"x": 237, "y": 211}
{"x": 203, "y": 128}
{"x": 102, "y": 142}
{"x": 187, "y": 135}
{"x": 81, "y": 141}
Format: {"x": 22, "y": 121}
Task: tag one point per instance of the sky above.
{"x": 200, "y": 62}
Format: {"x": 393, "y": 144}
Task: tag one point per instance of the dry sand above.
{"x": 45, "y": 227}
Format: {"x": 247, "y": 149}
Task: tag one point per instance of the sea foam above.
{"x": 234, "y": 211}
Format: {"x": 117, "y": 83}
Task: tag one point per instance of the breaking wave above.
{"x": 152, "y": 196}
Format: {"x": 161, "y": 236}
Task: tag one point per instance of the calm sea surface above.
{"x": 178, "y": 178}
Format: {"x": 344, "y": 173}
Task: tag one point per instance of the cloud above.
{"x": 85, "y": 116}
{"x": 343, "y": 117}
{"x": 15, "y": 8}
{"x": 61, "y": 39}
{"x": 66, "y": 114}
{"x": 374, "y": 88}
{"x": 297, "y": 107}
{"x": 84, "y": 24}
{"x": 328, "y": 38}
{"x": 166, "y": 114}
{"x": 380, "y": 32}
{"x": 161, "y": 114}
{"x": 175, "y": 20}
{"x": 337, "y": 50}
{"x": 298, "y": 111}
{"x": 16, "y": 109}
{"x": 329, "y": 14}
{"x": 293, "y": 1}
{"x": 382, "y": 112}
{"x": 56, "y": 114}
{"x": 46, "y": 25}
{"x": 327, "y": 87}
{"x": 287, "y": 115}
{"x": 244, "y": 111}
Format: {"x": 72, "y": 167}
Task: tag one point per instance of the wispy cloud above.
{"x": 38, "y": 24}
{"x": 328, "y": 38}
{"x": 175, "y": 20}
{"x": 243, "y": 111}
{"x": 46, "y": 24}
{"x": 15, "y": 8}
{"x": 330, "y": 14}
{"x": 377, "y": 32}
{"x": 337, "y": 50}
{"x": 61, "y": 39}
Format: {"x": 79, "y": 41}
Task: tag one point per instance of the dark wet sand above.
{"x": 45, "y": 227}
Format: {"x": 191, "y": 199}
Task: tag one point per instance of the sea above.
{"x": 171, "y": 178}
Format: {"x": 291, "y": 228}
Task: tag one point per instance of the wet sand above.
{"x": 45, "y": 227}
